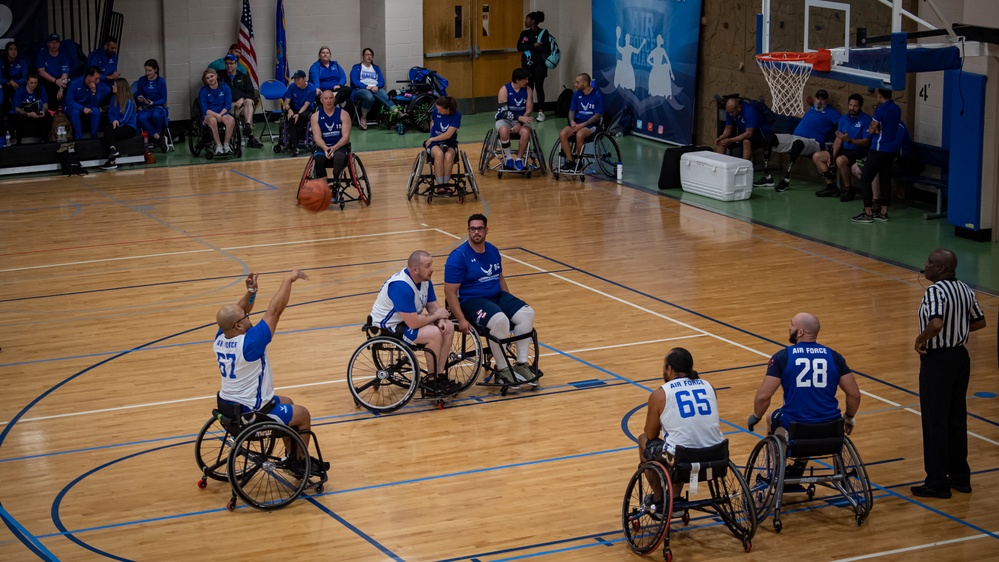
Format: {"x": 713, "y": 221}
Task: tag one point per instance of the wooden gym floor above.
{"x": 110, "y": 284}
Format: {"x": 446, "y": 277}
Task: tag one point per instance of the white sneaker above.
{"x": 228, "y": 149}
{"x": 218, "y": 150}
{"x": 541, "y": 116}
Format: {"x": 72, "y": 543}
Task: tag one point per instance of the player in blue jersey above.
{"x": 215, "y": 100}
{"x": 442, "y": 146}
{"x": 298, "y": 100}
{"x": 241, "y": 352}
{"x": 852, "y": 141}
{"x": 514, "y": 116}
{"x": 744, "y": 129}
{"x": 810, "y": 136}
{"x": 368, "y": 84}
{"x": 399, "y": 308}
{"x": 331, "y": 133}
{"x": 809, "y": 374}
{"x": 683, "y": 412}
{"x": 886, "y": 140}
{"x": 477, "y": 293}
{"x": 584, "y": 115}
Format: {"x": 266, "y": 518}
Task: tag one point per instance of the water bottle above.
{"x": 620, "y": 172}
{"x": 145, "y": 141}
{"x": 8, "y": 139}
{"x": 61, "y": 134}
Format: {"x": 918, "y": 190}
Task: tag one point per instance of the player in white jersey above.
{"x": 399, "y": 309}
{"x": 241, "y": 352}
{"x": 684, "y": 411}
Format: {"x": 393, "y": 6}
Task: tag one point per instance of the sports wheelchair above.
{"x": 304, "y": 143}
{"x": 384, "y": 373}
{"x": 418, "y": 96}
{"x": 650, "y": 505}
{"x": 200, "y": 137}
{"x": 422, "y": 183}
{"x": 835, "y": 462}
{"x": 491, "y": 150}
{"x": 509, "y": 347}
{"x": 353, "y": 175}
{"x": 259, "y": 457}
{"x": 601, "y": 151}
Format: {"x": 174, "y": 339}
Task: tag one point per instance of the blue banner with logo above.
{"x": 281, "y": 51}
{"x": 645, "y": 63}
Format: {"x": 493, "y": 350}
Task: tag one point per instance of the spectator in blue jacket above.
{"x": 106, "y": 59}
{"x": 29, "y": 115}
{"x": 54, "y": 66}
{"x": 121, "y": 120}
{"x": 215, "y": 100}
{"x": 298, "y": 103}
{"x": 150, "y": 93}
{"x": 83, "y": 96}
{"x": 368, "y": 84}
{"x": 15, "y": 72}
{"x": 327, "y": 74}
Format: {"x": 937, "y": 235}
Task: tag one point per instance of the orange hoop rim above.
{"x": 780, "y": 56}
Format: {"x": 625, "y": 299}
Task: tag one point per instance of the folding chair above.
{"x": 272, "y": 90}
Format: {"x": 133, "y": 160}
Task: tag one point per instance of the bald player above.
{"x": 809, "y": 373}
{"x": 241, "y": 352}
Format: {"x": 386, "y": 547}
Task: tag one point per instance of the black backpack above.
{"x": 564, "y": 103}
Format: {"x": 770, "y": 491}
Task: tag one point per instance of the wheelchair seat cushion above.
{"x": 815, "y": 439}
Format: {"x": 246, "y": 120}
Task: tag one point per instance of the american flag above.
{"x": 249, "y": 56}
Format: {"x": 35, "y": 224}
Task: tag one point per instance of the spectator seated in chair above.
{"x": 106, "y": 59}
{"x": 327, "y": 74}
{"x": 150, "y": 93}
{"x": 54, "y": 67}
{"x": 83, "y": 97}
{"x": 368, "y": 84}
{"x": 121, "y": 120}
{"x": 813, "y": 131}
{"x": 243, "y": 97}
{"x": 14, "y": 73}
{"x": 29, "y": 115}
{"x": 216, "y": 99}
{"x": 218, "y": 65}
{"x": 298, "y": 103}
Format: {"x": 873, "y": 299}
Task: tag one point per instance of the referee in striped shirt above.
{"x": 948, "y": 313}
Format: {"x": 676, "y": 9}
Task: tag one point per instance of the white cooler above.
{"x": 718, "y": 176}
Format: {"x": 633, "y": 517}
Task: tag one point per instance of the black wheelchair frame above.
{"x": 422, "y": 184}
{"x": 646, "y": 519}
{"x": 603, "y": 151}
{"x": 385, "y": 372}
{"x": 534, "y": 156}
{"x": 509, "y": 347}
{"x": 839, "y": 468}
{"x": 259, "y": 458}
{"x": 200, "y": 137}
{"x": 352, "y": 175}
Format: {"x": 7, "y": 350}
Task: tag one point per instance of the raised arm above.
{"x": 280, "y": 299}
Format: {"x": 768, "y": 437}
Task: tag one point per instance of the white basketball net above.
{"x": 787, "y": 84}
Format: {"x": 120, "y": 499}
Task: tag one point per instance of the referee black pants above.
{"x": 943, "y": 391}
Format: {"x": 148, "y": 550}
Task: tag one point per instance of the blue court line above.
{"x": 251, "y": 178}
{"x": 26, "y": 538}
{"x": 384, "y": 550}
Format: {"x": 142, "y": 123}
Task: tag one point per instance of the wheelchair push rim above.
{"x": 644, "y": 518}
{"x": 261, "y": 473}
{"x": 383, "y": 374}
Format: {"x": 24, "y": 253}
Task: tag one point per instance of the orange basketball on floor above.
{"x": 315, "y": 195}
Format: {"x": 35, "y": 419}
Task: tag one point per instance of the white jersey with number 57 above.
{"x": 690, "y": 418}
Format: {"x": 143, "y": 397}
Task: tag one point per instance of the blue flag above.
{"x": 281, "y": 73}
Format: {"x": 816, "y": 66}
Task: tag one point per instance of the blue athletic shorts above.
{"x": 280, "y": 412}
{"x": 478, "y": 310}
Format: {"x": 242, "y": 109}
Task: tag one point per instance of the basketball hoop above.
{"x": 786, "y": 74}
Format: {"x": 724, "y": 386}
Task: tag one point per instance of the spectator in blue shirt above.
{"x": 15, "y": 72}
{"x": 852, "y": 141}
{"x": 150, "y": 93}
{"x": 585, "y": 112}
{"x": 810, "y": 136}
{"x": 743, "y": 129}
{"x": 106, "y": 59}
{"x": 83, "y": 96}
{"x": 215, "y": 100}
{"x": 886, "y": 139}
{"x": 327, "y": 74}
{"x": 29, "y": 114}
{"x": 298, "y": 101}
{"x": 368, "y": 84}
{"x": 53, "y": 67}
{"x": 121, "y": 120}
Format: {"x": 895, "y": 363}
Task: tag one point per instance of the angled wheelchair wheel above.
{"x": 555, "y": 159}
{"x": 359, "y": 177}
{"x": 734, "y": 502}
{"x": 485, "y": 156}
{"x": 419, "y": 111}
{"x": 262, "y": 466}
{"x": 855, "y": 481}
{"x": 383, "y": 374}
{"x": 648, "y": 507}
{"x": 194, "y": 138}
{"x": 473, "y": 186}
{"x": 309, "y": 173}
{"x": 765, "y": 474}
{"x": 211, "y": 450}
{"x": 465, "y": 360}
{"x": 607, "y": 154}
{"x": 414, "y": 175}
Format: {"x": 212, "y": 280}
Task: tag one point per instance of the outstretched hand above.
{"x": 295, "y": 275}
{"x": 251, "y": 283}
